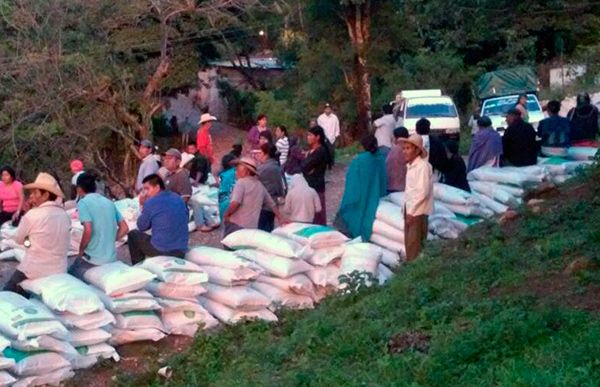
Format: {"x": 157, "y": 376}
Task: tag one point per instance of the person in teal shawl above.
{"x": 227, "y": 181}
{"x": 366, "y": 183}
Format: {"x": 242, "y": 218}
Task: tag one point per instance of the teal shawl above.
{"x": 366, "y": 183}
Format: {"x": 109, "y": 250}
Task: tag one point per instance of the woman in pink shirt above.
{"x": 11, "y": 196}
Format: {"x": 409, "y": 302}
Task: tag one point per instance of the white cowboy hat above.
{"x": 206, "y": 117}
{"x": 246, "y": 162}
{"x": 46, "y": 182}
{"x": 185, "y": 158}
{"x": 417, "y": 141}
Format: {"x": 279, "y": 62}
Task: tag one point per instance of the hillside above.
{"x": 507, "y": 304}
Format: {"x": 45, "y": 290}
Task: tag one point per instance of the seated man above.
{"x": 248, "y": 199}
{"x": 177, "y": 178}
{"x": 455, "y": 174}
{"x": 166, "y": 215}
{"x": 486, "y": 146}
{"x": 46, "y": 229}
{"x": 554, "y": 132}
{"x": 519, "y": 141}
{"x": 102, "y": 224}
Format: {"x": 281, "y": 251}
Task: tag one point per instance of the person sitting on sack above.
{"x": 166, "y": 215}
{"x": 302, "y": 203}
{"x": 248, "y": 199}
{"x": 486, "y": 146}
{"x": 103, "y": 225}
{"x": 46, "y": 232}
{"x": 455, "y": 172}
{"x": 519, "y": 142}
{"x": 177, "y": 179}
{"x": 554, "y": 132}
{"x": 418, "y": 195}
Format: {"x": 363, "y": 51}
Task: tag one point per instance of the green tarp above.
{"x": 505, "y": 82}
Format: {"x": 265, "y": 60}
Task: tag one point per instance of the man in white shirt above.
{"x": 330, "y": 124}
{"x": 419, "y": 195}
{"x": 46, "y": 232}
{"x": 384, "y": 130}
{"x": 149, "y": 164}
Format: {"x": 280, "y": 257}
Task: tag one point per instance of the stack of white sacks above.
{"x": 79, "y": 308}
{"x": 208, "y": 198}
{"x": 177, "y": 286}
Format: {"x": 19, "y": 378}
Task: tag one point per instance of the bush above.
{"x": 279, "y": 112}
{"x": 241, "y": 105}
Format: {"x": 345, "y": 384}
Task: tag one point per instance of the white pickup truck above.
{"x": 497, "y": 107}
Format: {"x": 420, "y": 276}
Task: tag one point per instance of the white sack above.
{"x": 44, "y": 343}
{"x": 495, "y": 192}
{"x": 387, "y": 243}
{"x": 229, "y": 277}
{"x": 168, "y": 290}
{"x": 398, "y": 198}
{"x": 138, "y": 320}
{"x": 390, "y": 258}
{"x": 278, "y": 266}
{"x": 177, "y": 322}
{"x": 80, "y": 337}
{"x": 315, "y": 236}
{"x": 6, "y": 379}
{"x": 493, "y": 205}
{"x": 298, "y": 284}
{"x": 22, "y": 319}
{"x": 126, "y": 336}
{"x": 270, "y": 243}
{"x": 282, "y": 299}
{"x": 581, "y": 153}
{"x": 35, "y": 363}
{"x": 383, "y": 274}
{"x": 451, "y": 195}
{"x": 128, "y": 302}
{"x": 231, "y": 316}
{"x": 388, "y": 231}
{"x": 174, "y": 270}
{"x": 323, "y": 257}
{"x": 90, "y": 355}
{"x": 325, "y": 276}
{"x": 361, "y": 257}
{"x": 117, "y": 278}
{"x": 6, "y": 363}
{"x": 237, "y": 297}
{"x": 390, "y": 214}
{"x": 211, "y": 256}
{"x": 54, "y": 378}
{"x": 87, "y": 321}
{"x": 500, "y": 175}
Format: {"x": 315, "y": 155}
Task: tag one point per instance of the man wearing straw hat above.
{"x": 47, "y": 229}
{"x": 419, "y": 195}
{"x": 204, "y": 139}
{"x": 248, "y": 198}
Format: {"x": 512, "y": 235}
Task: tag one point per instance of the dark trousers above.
{"x": 266, "y": 221}
{"x": 414, "y": 236}
{"x": 13, "y": 284}
{"x": 80, "y": 267}
{"x": 140, "y": 247}
{"x": 5, "y": 216}
{"x": 321, "y": 217}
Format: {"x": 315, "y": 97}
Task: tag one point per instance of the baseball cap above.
{"x": 173, "y": 152}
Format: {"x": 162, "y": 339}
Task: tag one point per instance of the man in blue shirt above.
{"x": 103, "y": 225}
{"x": 166, "y": 215}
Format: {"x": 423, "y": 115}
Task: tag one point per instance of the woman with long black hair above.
{"x": 314, "y": 166}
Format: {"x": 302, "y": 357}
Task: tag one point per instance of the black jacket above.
{"x": 519, "y": 143}
{"x": 455, "y": 173}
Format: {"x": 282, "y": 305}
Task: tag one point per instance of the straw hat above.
{"x": 417, "y": 141}
{"x": 46, "y": 182}
{"x": 206, "y": 117}
{"x": 246, "y": 162}
{"x": 185, "y": 158}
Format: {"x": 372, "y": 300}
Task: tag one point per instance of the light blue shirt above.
{"x": 105, "y": 217}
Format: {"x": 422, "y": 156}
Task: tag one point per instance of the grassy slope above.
{"x": 496, "y": 304}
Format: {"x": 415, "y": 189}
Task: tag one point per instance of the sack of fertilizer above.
{"x": 503, "y": 176}
{"x": 315, "y": 236}
{"x": 384, "y": 229}
{"x": 440, "y": 208}
{"x": 186, "y": 321}
{"x": 138, "y": 320}
{"x": 298, "y": 284}
{"x": 4, "y": 342}
{"x": 229, "y": 277}
{"x": 390, "y": 258}
{"x": 5, "y": 363}
{"x": 174, "y": 270}
{"x": 452, "y": 195}
{"x": 490, "y": 203}
{"x": 54, "y": 378}
{"x": 82, "y": 338}
{"x": 211, "y": 256}
{"x": 65, "y": 293}
{"x": 282, "y": 299}
{"x": 34, "y": 363}
{"x": 397, "y": 198}
{"x": 88, "y": 356}
{"x": 232, "y": 316}
{"x": 384, "y": 274}
{"x": 12, "y": 254}
{"x": 275, "y": 265}
{"x": 323, "y": 257}
{"x": 6, "y": 379}
{"x": 88, "y": 321}
{"x": 264, "y": 241}
{"x": 581, "y": 153}
{"x": 388, "y": 244}
{"x": 325, "y": 276}
{"x": 572, "y": 167}
{"x": 127, "y": 336}
{"x": 128, "y": 302}
{"x": 45, "y": 343}
{"x": 169, "y": 290}
{"x": 361, "y": 257}
{"x": 205, "y": 195}
{"x": 495, "y": 192}
{"x": 118, "y": 278}
{"x": 473, "y": 210}
{"x": 391, "y": 214}
{"x": 237, "y": 297}
{"x": 443, "y": 227}
{"x": 21, "y": 319}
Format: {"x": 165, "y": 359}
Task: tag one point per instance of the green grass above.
{"x": 475, "y": 297}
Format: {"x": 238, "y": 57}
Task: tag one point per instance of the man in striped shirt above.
{"x": 282, "y": 144}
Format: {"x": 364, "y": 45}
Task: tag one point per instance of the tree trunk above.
{"x": 358, "y": 21}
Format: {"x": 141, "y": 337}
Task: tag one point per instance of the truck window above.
{"x": 431, "y": 110}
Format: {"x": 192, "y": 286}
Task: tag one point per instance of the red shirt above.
{"x": 204, "y": 142}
